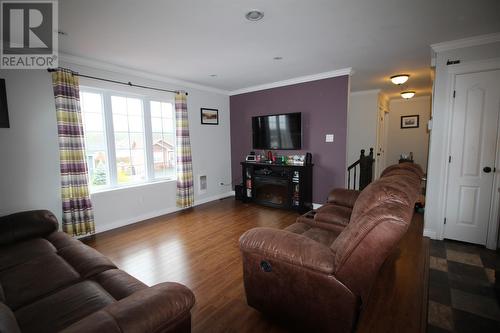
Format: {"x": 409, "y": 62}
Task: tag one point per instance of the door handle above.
{"x": 487, "y": 169}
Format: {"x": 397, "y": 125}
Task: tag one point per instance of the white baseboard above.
{"x": 430, "y": 233}
{"x": 150, "y": 215}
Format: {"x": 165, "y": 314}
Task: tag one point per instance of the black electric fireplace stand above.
{"x": 277, "y": 185}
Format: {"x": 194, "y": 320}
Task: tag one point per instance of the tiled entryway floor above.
{"x": 461, "y": 293}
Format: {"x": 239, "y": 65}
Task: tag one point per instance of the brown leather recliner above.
{"x": 319, "y": 275}
{"x": 50, "y": 282}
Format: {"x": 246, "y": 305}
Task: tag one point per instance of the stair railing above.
{"x": 365, "y": 165}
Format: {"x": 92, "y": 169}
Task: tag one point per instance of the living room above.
{"x": 169, "y": 95}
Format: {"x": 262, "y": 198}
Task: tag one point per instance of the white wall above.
{"x": 30, "y": 157}
{"x": 362, "y": 123}
{"x": 29, "y": 165}
{"x": 438, "y": 145}
{"x": 408, "y": 140}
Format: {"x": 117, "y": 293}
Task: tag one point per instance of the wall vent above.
{"x": 202, "y": 184}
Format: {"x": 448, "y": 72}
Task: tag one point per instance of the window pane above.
{"x": 162, "y": 123}
{"x": 98, "y": 169}
{"x": 155, "y": 109}
{"x": 119, "y": 105}
{"x": 120, "y": 122}
{"x": 156, "y": 125}
{"x": 91, "y": 102}
{"x": 129, "y": 139}
{"x": 136, "y": 141}
{"x": 135, "y": 123}
{"x": 93, "y": 121}
{"x": 134, "y": 107}
{"x": 95, "y": 140}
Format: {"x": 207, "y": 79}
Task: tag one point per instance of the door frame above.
{"x": 453, "y": 71}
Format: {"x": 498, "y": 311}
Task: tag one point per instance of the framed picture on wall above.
{"x": 209, "y": 116}
{"x": 410, "y": 121}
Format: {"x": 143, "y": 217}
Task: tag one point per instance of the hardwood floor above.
{"x": 198, "y": 248}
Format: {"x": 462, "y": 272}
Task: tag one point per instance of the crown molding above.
{"x": 466, "y": 42}
{"x": 365, "y": 92}
{"x": 300, "y": 79}
{"x": 96, "y": 64}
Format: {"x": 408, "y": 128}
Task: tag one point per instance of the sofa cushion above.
{"x": 402, "y": 168}
{"x": 26, "y": 225}
{"x": 118, "y": 283}
{"x": 61, "y": 240}
{"x": 59, "y": 310}
{"x": 387, "y": 189}
{"x": 343, "y": 197}
{"x": 18, "y": 253}
{"x": 35, "y": 278}
{"x": 85, "y": 260}
{"x": 8, "y": 322}
{"x": 330, "y": 213}
{"x": 320, "y": 235}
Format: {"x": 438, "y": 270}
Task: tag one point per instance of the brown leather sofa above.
{"x": 317, "y": 273}
{"x": 50, "y": 282}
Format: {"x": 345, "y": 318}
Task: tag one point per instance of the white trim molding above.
{"x": 366, "y": 92}
{"x": 300, "y": 79}
{"x": 466, "y": 42}
{"x": 150, "y": 215}
{"x": 430, "y": 233}
{"x": 96, "y": 64}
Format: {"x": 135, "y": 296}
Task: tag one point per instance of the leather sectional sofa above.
{"x": 318, "y": 272}
{"x": 50, "y": 282}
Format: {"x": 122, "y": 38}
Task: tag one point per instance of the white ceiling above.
{"x": 192, "y": 39}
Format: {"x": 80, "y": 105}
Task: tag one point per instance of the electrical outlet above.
{"x": 329, "y": 138}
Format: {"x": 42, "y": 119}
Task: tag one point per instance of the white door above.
{"x": 379, "y": 152}
{"x": 473, "y": 150}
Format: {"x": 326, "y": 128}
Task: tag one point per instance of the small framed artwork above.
{"x": 209, "y": 116}
{"x": 409, "y": 121}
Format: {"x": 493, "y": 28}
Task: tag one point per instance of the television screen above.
{"x": 4, "y": 115}
{"x": 281, "y": 131}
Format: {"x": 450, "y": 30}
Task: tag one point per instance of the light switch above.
{"x": 329, "y": 138}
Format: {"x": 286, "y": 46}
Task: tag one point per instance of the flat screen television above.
{"x": 279, "y": 131}
{"x": 4, "y": 115}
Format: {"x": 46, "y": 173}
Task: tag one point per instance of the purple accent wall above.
{"x": 323, "y": 104}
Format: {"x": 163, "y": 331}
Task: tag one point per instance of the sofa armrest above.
{"x": 25, "y": 225}
{"x": 161, "y": 308}
{"x": 288, "y": 247}
{"x": 343, "y": 197}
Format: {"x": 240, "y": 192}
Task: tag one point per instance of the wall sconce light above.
{"x": 407, "y": 94}
{"x": 400, "y": 78}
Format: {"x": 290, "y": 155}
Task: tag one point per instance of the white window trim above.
{"x": 109, "y": 136}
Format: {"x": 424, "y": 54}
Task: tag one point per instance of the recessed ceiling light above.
{"x": 278, "y": 58}
{"x": 407, "y": 94}
{"x": 400, "y": 78}
{"x": 213, "y": 75}
{"x": 254, "y": 15}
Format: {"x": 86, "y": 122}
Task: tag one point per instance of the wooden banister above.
{"x": 365, "y": 163}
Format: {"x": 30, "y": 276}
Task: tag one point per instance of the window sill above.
{"x": 131, "y": 186}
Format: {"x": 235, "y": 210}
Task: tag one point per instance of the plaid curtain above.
{"x": 78, "y": 217}
{"x": 185, "y": 191}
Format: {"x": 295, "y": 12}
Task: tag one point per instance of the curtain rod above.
{"x": 130, "y": 84}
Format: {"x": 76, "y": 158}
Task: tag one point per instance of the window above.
{"x": 128, "y": 139}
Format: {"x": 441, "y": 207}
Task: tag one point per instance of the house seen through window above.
{"x": 128, "y": 139}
